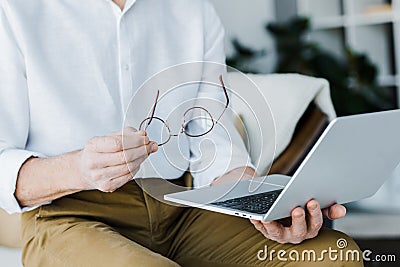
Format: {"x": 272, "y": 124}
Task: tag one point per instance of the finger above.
{"x": 126, "y": 130}
{"x": 260, "y": 227}
{"x": 111, "y": 144}
{"x": 123, "y": 169}
{"x": 100, "y": 161}
{"x": 254, "y": 221}
{"x": 114, "y": 159}
{"x": 100, "y": 176}
{"x": 134, "y": 140}
{"x": 275, "y": 230}
{"x": 315, "y": 219}
{"x": 141, "y": 151}
{"x": 114, "y": 184}
{"x": 104, "y": 144}
{"x": 335, "y": 212}
{"x": 131, "y": 156}
{"x": 135, "y": 153}
{"x": 299, "y": 225}
{"x": 131, "y": 130}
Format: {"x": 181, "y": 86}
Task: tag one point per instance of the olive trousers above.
{"x": 130, "y": 228}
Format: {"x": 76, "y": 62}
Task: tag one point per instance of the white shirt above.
{"x": 68, "y": 69}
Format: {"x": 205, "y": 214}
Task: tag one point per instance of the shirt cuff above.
{"x": 11, "y": 161}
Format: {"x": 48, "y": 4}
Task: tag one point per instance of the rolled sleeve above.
{"x": 11, "y": 161}
{"x": 14, "y": 114}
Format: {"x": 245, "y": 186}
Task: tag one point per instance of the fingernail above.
{"x": 298, "y": 214}
{"x": 312, "y": 205}
{"x": 146, "y": 140}
{"x": 154, "y": 147}
{"x": 344, "y": 210}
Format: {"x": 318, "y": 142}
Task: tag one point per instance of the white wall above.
{"x": 246, "y": 20}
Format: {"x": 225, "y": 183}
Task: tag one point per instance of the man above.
{"x": 68, "y": 69}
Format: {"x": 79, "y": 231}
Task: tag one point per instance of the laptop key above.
{"x": 258, "y": 203}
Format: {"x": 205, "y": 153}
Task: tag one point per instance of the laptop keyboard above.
{"x": 258, "y": 203}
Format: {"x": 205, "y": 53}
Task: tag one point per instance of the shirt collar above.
{"x": 128, "y": 5}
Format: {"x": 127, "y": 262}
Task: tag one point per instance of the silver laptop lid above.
{"x": 351, "y": 160}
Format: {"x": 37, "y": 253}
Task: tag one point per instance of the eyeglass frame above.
{"x": 182, "y": 130}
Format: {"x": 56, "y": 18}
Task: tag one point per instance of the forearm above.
{"x": 41, "y": 180}
{"x": 241, "y": 173}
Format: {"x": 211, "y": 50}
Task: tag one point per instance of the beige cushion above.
{"x": 270, "y": 107}
{"x": 10, "y": 228}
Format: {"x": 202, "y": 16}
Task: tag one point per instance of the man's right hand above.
{"x": 108, "y": 162}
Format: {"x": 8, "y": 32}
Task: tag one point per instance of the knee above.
{"x": 337, "y": 249}
{"x": 338, "y": 240}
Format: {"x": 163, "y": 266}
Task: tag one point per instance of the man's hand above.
{"x": 108, "y": 162}
{"x": 304, "y": 224}
{"x": 241, "y": 173}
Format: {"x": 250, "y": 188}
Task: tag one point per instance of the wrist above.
{"x": 75, "y": 179}
{"x": 241, "y": 173}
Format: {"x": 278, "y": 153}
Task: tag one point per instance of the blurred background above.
{"x": 355, "y": 45}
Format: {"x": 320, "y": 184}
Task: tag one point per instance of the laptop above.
{"x": 350, "y": 161}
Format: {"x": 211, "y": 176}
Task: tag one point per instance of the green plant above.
{"x": 243, "y": 57}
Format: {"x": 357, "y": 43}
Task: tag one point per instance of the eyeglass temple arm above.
{"x": 158, "y": 94}
{"x": 226, "y": 96}
{"x": 225, "y": 91}
{"x": 154, "y": 109}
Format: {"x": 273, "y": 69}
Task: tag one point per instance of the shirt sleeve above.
{"x": 221, "y": 150}
{"x": 14, "y": 114}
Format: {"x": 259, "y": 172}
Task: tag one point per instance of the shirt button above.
{"x": 126, "y": 67}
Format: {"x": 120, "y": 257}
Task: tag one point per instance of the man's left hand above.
{"x": 304, "y": 224}
{"x": 301, "y": 226}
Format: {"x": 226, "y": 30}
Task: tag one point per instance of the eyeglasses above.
{"x": 196, "y": 122}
